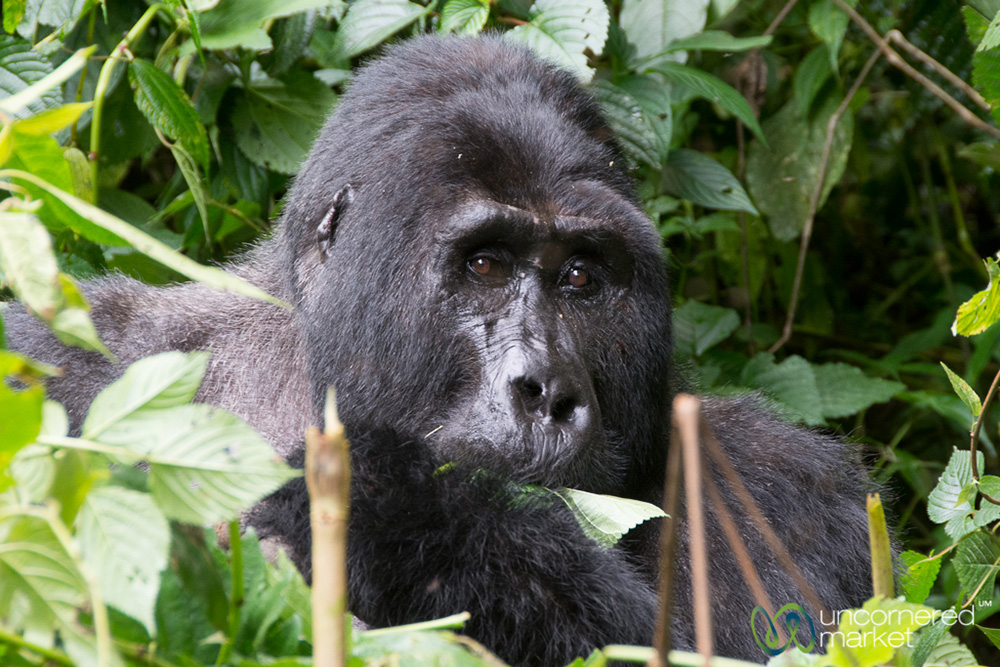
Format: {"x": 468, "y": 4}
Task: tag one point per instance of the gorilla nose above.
{"x": 552, "y": 401}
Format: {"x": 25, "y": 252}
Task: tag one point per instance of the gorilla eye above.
{"x": 481, "y": 265}
{"x": 578, "y": 277}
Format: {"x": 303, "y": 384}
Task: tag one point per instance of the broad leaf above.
{"x": 980, "y": 312}
{"x": 698, "y": 326}
{"x": 276, "y": 123}
{"x": 606, "y": 519}
{"x": 782, "y": 177}
{"x": 167, "y": 107}
{"x": 630, "y": 125}
{"x": 945, "y": 504}
{"x": 125, "y": 539}
{"x": 717, "y": 40}
{"x": 653, "y": 25}
{"x": 464, "y": 17}
{"x": 562, "y": 31}
{"x": 158, "y": 382}
{"x": 964, "y": 391}
{"x": 792, "y": 383}
{"x": 921, "y": 573}
{"x": 829, "y": 23}
{"x": 846, "y": 390}
{"x": 871, "y": 643}
{"x": 977, "y": 562}
{"x": 711, "y": 88}
{"x": 368, "y": 23}
{"x": 698, "y": 178}
{"x": 20, "y": 67}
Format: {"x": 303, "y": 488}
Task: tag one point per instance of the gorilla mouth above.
{"x": 536, "y": 456}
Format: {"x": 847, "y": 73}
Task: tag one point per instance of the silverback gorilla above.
{"x": 472, "y": 271}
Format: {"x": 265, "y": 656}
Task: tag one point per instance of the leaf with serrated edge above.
{"x": 980, "y": 312}
{"x": 464, "y": 17}
{"x": 368, "y": 23}
{"x": 605, "y": 519}
{"x": 561, "y": 32}
{"x": 161, "y": 381}
{"x": 125, "y": 539}
{"x": 976, "y": 561}
{"x": 205, "y": 465}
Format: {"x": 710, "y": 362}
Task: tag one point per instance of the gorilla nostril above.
{"x": 563, "y": 409}
{"x": 531, "y": 389}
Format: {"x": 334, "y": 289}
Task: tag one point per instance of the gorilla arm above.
{"x": 423, "y": 545}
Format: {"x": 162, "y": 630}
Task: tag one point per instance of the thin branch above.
{"x": 975, "y": 436}
{"x": 898, "y": 38}
{"x": 897, "y": 61}
{"x": 817, "y": 193}
{"x": 668, "y": 545}
{"x": 789, "y": 6}
{"x": 686, "y": 413}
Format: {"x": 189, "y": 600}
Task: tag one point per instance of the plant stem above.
{"x": 237, "y": 594}
{"x": 328, "y": 478}
{"x": 104, "y": 80}
{"x": 974, "y": 436}
{"x": 10, "y": 638}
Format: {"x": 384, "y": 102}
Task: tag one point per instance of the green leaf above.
{"x": 700, "y": 179}
{"x": 276, "y": 123}
{"x": 829, "y": 24}
{"x": 167, "y": 107}
{"x": 20, "y": 411}
{"x": 464, "y": 17}
{"x": 52, "y": 120}
{"x": 699, "y": 326}
{"x": 857, "y": 644}
{"x": 792, "y": 383}
{"x": 717, "y": 40}
{"x": 711, "y": 88}
{"x": 653, "y": 25}
{"x": 984, "y": 153}
{"x": 991, "y": 37}
{"x": 655, "y": 105}
{"x": 195, "y": 182}
{"x": 125, "y": 539}
{"x": 921, "y": 573}
{"x": 561, "y": 32}
{"x": 964, "y": 391}
{"x": 158, "y": 382}
{"x": 368, "y": 23}
{"x": 235, "y": 23}
{"x": 42, "y": 587}
{"x": 20, "y": 67}
{"x": 630, "y": 125}
{"x": 980, "y": 312}
{"x": 156, "y": 250}
{"x": 418, "y": 649}
{"x": 976, "y": 24}
{"x": 810, "y": 76}
{"x": 846, "y": 390}
{"x": 606, "y": 519}
{"x": 781, "y": 177}
{"x": 990, "y": 485}
{"x": 950, "y": 652}
{"x": 945, "y": 504}
{"x": 976, "y": 561}
{"x": 28, "y": 263}
{"x": 993, "y": 634}
{"x": 13, "y": 12}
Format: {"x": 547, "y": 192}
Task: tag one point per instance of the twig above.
{"x": 975, "y": 436}
{"x": 10, "y": 638}
{"x": 723, "y": 463}
{"x": 897, "y": 61}
{"x": 789, "y": 6}
{"x": 668, "y": 545}
{"x": 817, "y": 193}
{"x": 686, "y": 413}
{"x": 328, "y": 478}
{"x": 898, "y": 38}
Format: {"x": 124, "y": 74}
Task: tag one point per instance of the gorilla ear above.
{"x": 327, "y": 230}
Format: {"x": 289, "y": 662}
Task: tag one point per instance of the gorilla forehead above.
{"x": 459, "y": 119}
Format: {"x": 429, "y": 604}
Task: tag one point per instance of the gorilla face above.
{"x": 518, "y": 319}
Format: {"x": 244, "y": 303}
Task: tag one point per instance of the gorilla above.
{"x": 471, "y": 269}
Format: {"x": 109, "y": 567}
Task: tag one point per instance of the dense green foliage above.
{"x": 783, "y": 174}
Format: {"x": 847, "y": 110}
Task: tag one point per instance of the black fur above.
{"x": 432, "y": 245}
